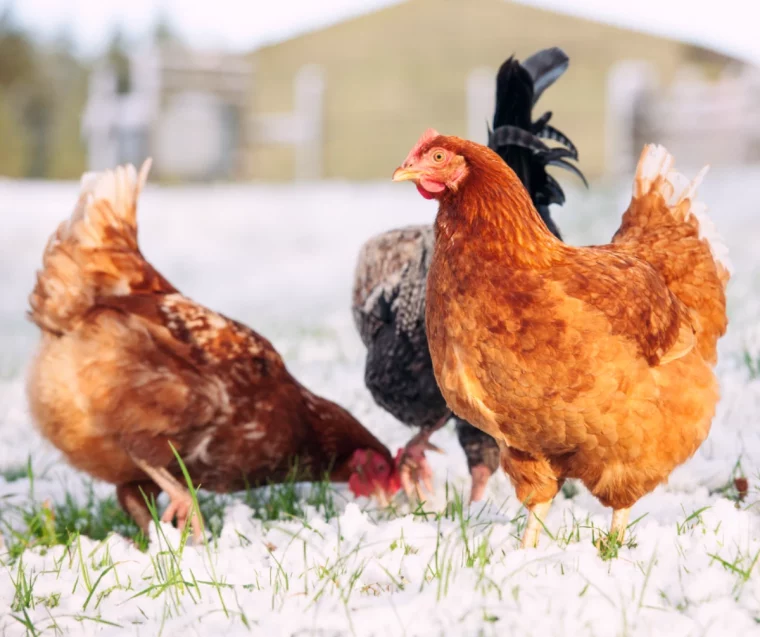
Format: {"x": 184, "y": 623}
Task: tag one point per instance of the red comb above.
{"x": 429, "y": 135}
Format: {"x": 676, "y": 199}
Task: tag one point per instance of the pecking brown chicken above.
{"x": 128, "y": 367}
{"x": 592, "y": 363}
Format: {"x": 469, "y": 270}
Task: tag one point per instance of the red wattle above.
{"x": 428, "y": 188}
{"x": 424, "y": 192}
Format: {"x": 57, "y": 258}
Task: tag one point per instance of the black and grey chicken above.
{"x": 390, "y": 281}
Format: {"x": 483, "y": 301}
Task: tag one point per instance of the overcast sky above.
{"x": 727, "y": 25}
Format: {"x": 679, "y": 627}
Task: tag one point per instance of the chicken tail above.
{"x": 94, "y": 253}
{"x": 668, "y": 226}
{"x": 519, "y": 140}
{"x": 655, "y": 175}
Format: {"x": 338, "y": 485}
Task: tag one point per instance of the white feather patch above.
{"x": 675, "y": 187}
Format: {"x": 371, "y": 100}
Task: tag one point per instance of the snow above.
{"x": 281, "y": 259}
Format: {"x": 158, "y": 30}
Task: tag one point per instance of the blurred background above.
{"x": 275, "y": 128}
{"x": 339, "y": 89}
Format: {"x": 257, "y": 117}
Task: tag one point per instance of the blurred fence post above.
{"x": 302, "y": 127}
{"x": 628, "y": 85}
{"x": 481, "y": 101}
{"x": 309, "y": 91}
{"x": 98, "y": 125}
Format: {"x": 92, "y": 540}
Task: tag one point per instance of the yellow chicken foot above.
{"x": 537, "y": 515}
{"x": 619, "y": 523}
{"x": 180, "y": 500}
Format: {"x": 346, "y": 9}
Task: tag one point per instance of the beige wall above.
{"x": 392, "y": 73}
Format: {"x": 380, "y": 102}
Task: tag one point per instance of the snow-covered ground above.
{"x": 281, "y": 259}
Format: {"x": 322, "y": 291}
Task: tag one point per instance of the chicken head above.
{"x": 373, "y": 476}
{"x": 432, "y": 167}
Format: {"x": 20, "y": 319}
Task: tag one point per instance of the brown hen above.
{"x": 591, "y": 363}
{"x": 129, "y": 367}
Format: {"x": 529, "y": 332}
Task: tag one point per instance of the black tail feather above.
{"x": 518, "y": 139}
{"x": 549, "y": 132}
{"x": 514, "y": 136}
{"x": 541, "y": 123}
{"x": 554, "y": 193}
{"x": 563, "y": 163}
{"x": 514, "y": 96}
{"x": 545, "y": 68}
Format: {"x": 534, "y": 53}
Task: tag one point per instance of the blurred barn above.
{"x": 348, "y": 100}
{"x": 359, "y": 93}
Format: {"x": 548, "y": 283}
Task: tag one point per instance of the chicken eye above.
{"x": 438, "y": 156}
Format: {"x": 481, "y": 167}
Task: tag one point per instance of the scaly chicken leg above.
{"x": 413, "y": 466}
{"x": 536, "y": 516}
{"x": 180, "y": 501}
{"x": 619, "y": 523}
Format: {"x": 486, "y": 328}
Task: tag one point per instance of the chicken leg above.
{"x": 480, "y": 475}
{"x": 180, "y": 501}
{"x": 536, "y": 516}
{"x": 413, "y": 466}
{"x": 619, "y": 524}
{"x": 482, "y": 453}
{"x": 132, "y": 500}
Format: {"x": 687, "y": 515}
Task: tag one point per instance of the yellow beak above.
{"x": 404, "y": 174}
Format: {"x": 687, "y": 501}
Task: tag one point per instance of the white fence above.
{"x": 699, "y": 120}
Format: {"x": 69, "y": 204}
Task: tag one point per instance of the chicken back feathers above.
{"x": 389, "y": 313}
{"x": 127, "y": 365}
{"x": 589, "y": 363}
{"x": 670, "y": 232}
{"x": 76, "y": 267}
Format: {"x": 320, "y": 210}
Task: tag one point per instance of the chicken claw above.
{"x": 180, "y": 501}
{"x": 181, "y": 508}
{"x": 414, "y": 470}
{"x": 412, "y": 474}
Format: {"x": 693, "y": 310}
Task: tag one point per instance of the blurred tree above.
{"x": 43, "y": 90}
{"x": 18, "y": 77}
{"x": 17, "y": 63}
{"x": 14, "y": 151}
{"x": 38, "y": 100}
{"x": 63, "y": 45}
{"x": 117, "y": 58}
{"x": 66, "y": 149}
{"x": 163, "y": 32}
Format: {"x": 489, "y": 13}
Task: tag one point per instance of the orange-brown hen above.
{"x": 128, "y": 367}
{"x": 592, "y": 363}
